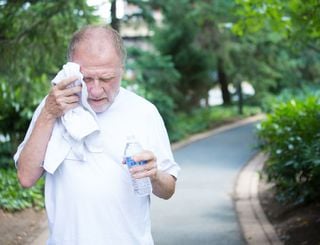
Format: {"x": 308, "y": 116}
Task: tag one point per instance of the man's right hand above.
{"x": 62, "y": 98}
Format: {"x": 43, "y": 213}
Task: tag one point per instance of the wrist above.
{"x": 47, "y": 117}
{"x": 155, "y": 177}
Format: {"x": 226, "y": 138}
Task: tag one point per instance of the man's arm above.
{"x": 59, "y": 100}
{"x": 33, "y": 153}
{"x": 163, "y": 184}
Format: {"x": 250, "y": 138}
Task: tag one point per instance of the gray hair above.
{"x": 84, "y": 32}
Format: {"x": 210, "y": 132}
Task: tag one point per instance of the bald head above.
{"x": 97, "y": 37}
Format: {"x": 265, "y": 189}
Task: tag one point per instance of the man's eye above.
{"x": 105, "y": 80}
{"x": 87, "y": 79}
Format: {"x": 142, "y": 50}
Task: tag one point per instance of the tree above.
{"x": 296, "y": 19}
{"x": 282, "y": 40}
{"x": 33, "y": 44}
{"x": 192, "y": 85}
{"x": 176, "y": 37}
{"x": 114, "y": 19}
{"x": 203, "y": 38}
{"x": 212, "y": 18}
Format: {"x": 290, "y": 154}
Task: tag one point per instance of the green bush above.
{"x": 13, "y": 197}
{"x": 270, "y": 100}
{"x": 202, "y": 119}
{"x": 6, "y": 150}
{"x": 291, "y": 137}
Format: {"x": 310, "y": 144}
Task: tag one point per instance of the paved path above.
{"x": 202, "y": 212}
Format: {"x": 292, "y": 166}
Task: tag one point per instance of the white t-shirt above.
{"x": 93, "y": 202}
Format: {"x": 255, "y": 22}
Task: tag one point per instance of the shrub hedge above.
{"x": 13, "y": 197}
{"x": 291, "y": 137}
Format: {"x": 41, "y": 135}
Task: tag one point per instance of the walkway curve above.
{"x": 202, "y": 210}
{"x": 254, "y": 223}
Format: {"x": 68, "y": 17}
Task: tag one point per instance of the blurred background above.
{"x": 202, "y": 63}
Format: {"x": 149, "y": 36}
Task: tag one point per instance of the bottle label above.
{"x": 130, "y": 162}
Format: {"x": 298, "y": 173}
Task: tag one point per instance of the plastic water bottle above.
{"x": 142, "y": 187}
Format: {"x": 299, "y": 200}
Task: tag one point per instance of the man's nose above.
{"x": 96, "y": 83}
{"x": 95, "y": 87}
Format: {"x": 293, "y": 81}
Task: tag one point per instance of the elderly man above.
{"x": 91, "y": 200}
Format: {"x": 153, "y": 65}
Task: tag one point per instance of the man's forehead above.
{"x": 93, "y": 52}
{"x": 94, "y": 71}
{"x": 96, "y": 46}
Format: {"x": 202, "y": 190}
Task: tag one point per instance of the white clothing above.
{"x": 82, "y": 113}
{"x": 76, "y": 129}
{"x": 93, "y": 202}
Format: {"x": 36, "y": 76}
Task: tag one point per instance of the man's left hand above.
{"x": 149, "y": 169}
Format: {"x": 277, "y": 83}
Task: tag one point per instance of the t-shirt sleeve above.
{"x": 29, "y": 131}
{"x": 161, "y": 145}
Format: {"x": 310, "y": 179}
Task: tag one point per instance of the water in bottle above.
{"x": 142, "y": 187}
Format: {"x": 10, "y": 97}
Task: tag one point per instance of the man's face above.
{"x": 102, "y": 71}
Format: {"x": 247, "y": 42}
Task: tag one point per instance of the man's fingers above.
{"x": 72, "y": 90}
{"x": 72, "y": 99}
{"x": 65, "y": 82}
{"x": 70, "y": 106}
{"x": 138, "y": 173}
{"x": 61, "y": 95}
{"x": 144, "y": 156}
{"x": 63, "y": 98}
{"x": 148, "y": 169}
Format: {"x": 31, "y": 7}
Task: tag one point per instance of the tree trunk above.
{"x": 114, "y": 19}
{"x": 240, "y": 98}
{"x": 222, "y": 78}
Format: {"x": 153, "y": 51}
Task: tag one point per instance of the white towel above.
{"x": 76, "y": 130}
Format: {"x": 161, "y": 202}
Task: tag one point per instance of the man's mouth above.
{"x": 97, "y": 99}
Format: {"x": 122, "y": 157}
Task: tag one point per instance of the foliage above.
{"x": 154, "y": 79}
{"x": 33, "y": 43}
{"x": 292, "y": 18}
{"x": 181, "y": 66}
{"x": 213, "y": 20}
{"x": 13, "y": 197}
{"x": 176, "y": 37}
{"x": 6, "y": 149}
{"x": 270, "y": 63}
{"x": 188, "y": 29}
{"x": 201, "y": 119}
{"x": 246, "y": 38}
{"x": 270, "y": 101}
{"x": 290, "y": 136}
{"x": 278, "y": 39}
